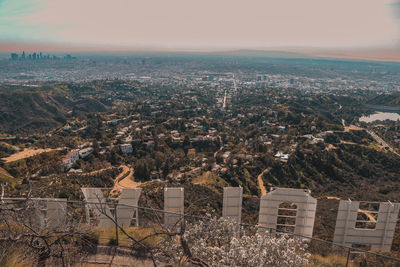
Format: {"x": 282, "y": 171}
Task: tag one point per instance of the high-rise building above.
{"x": 14, "y": 56}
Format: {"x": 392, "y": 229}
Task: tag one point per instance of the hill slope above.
{"x": 391, "y": 100}
{"x": 5, "y": 176}
{"x": 24, "y": 111}
{"x": 349, "y": 170}
{"x": 38, "y": 111}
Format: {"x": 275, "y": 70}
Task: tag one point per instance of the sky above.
{"x": 205, "y": 24}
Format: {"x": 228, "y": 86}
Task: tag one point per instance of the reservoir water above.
{"x": 380, "y": 116}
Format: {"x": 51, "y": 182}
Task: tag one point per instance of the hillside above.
{"x": 5, "y": 176}
{"x": 39, "y": 111}
{"x": 25, "y": 111}
{"x": 391, "y": 100}
{"x": 7, "y": 149}
{"x": 348, "y": 170}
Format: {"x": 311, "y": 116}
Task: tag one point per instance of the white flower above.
{"x": 219, "y": 243}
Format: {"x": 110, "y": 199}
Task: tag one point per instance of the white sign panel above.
{"x": 232, "y": 203}
{"x": 54, "y": 211}
{"x": 173, "y": 206}
{"x": 127, "y": 207}
{"x": 45, "y": 213}
{"x": 97, "y": 211}
{"x": 288, "y": 209}
{"x": 355, "y": 226}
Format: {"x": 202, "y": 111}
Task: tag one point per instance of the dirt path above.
{"x": 353, "y": 128}
{"x": 348, "y": 142}
{"x": 90, "y": 173}
{"x": 369, "y": 215}
{"x": 336, "y": 198}
{"x": 261, "y": 182}
{"x": 27, "y": 153}
{"x": 125, "y": 182}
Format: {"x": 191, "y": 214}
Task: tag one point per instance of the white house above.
{"x": 73, "y": 155}
{"x": 83, "y": 153}
{"x": 126, "y": 148}
{"x": 281, "y": 155}
{"x": 69, "y": 159}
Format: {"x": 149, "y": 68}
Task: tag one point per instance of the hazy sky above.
{"x": 203, "y": 23}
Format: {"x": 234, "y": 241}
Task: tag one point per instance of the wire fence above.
{"x": 148, "y": 220}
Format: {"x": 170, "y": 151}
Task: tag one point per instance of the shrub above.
{"x": 218, "y": 242}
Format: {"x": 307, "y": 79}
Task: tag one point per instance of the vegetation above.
{"x": 339, "y": 171}
{"x": 26, "y": 111}
{"x": 218, "y": 242}
{"x": 204, "y": 131}
{"x": 40, "y": 246}
{"x": 390, "y": 99}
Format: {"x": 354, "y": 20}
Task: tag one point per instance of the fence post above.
{"x": 348, "y": 257}
{"x": 116, "y": 224}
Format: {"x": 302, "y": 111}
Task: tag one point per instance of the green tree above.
{"x": 142, "y": 170}
{"x": 159, "y": 159}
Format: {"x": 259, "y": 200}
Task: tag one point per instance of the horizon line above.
{"x": 377, "y": 53}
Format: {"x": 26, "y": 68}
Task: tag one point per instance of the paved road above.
{"x": 381, "y": 141}
{"x": 224, "y": 104}
{"x": 377, "y": 138}
{"x": 234, "y": 82}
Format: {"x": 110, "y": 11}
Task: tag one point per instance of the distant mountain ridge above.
{"x": 264, "y": 53}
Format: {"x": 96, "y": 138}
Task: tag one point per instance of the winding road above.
{"x": 125, "y": 179}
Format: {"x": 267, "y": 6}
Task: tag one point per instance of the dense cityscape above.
{"x": 172, "y": 121}
{"x": 199, "y": 134}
